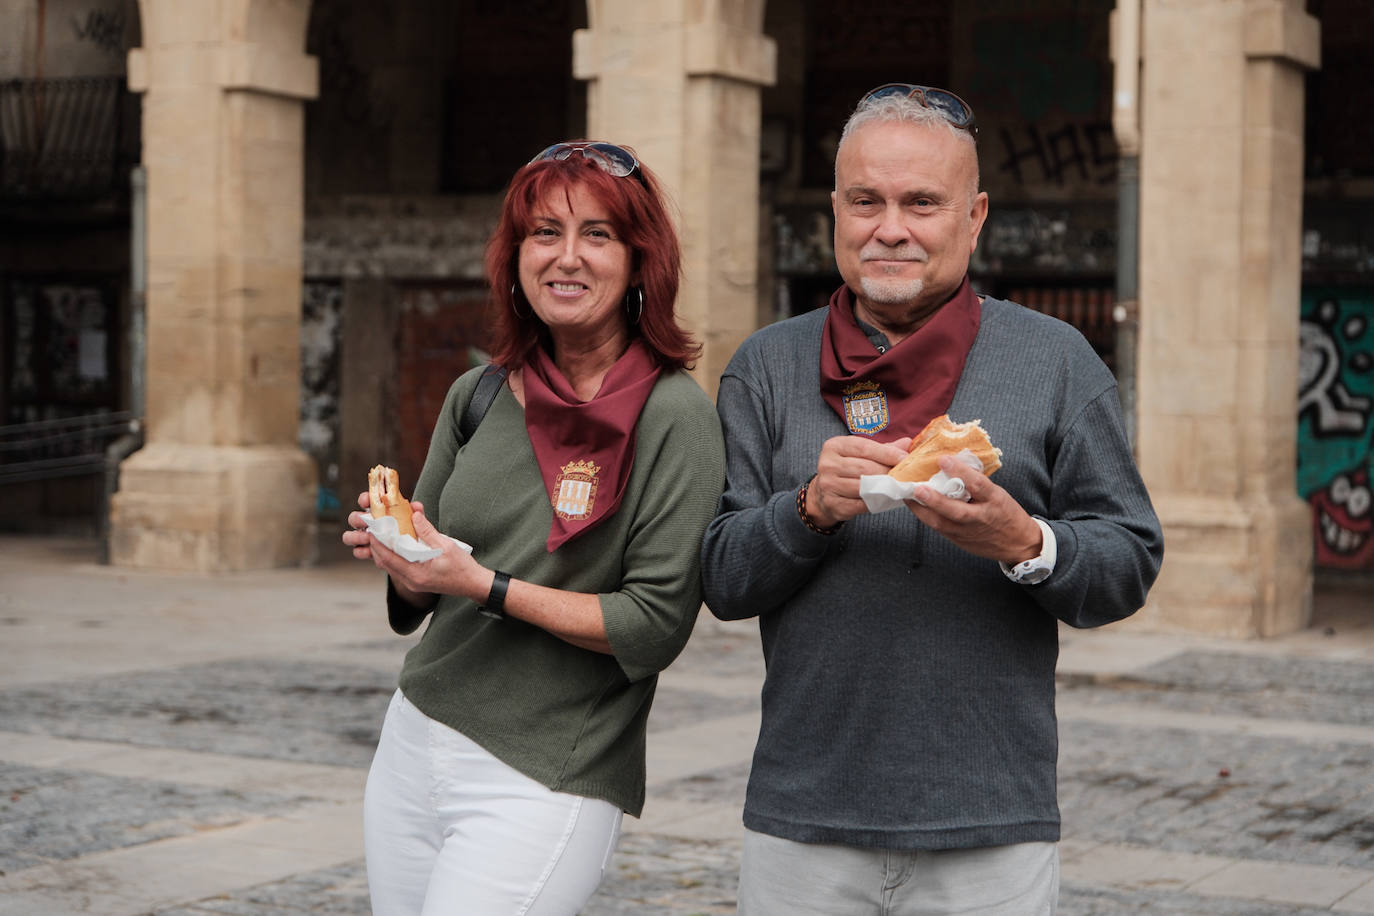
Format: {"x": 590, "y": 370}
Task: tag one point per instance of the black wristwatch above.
{"x": 495, "y": 605}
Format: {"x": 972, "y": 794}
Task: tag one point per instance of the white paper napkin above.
{"x": 387, "y": 530}
{"x": 881, "y": 492}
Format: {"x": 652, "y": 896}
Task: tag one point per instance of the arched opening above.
{"x": 69, "y": 139}
{"x": 1039, "y": 82}
{"x": 425, "y": 110}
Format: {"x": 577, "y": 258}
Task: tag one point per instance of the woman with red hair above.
{"x": 516, "y": 738}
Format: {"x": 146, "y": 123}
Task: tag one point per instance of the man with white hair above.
{"x": 906, "y": 758}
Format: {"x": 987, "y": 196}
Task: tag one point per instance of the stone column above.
{"x": 220, "y": 483}
{"x": 1220, "y": 274}
{"x": 679, "y": 81}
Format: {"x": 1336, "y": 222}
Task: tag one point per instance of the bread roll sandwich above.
{"x": 384, "y": 493}
{"x": 942, "y": 436}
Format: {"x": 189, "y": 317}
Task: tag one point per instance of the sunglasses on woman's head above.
{"x": 954, "y": 109}
{"x": 611, "y": 159}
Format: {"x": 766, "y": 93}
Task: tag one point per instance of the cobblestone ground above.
{"x": 310, "y": 712}
{"x": 50, "y": 814}
{"x": 681, "y": 878}
{"x": 1246, "y": 796}
{"x": 1283, "y": 801}
{"x": 650, "y": 876}
{"x": 1197, "y": 791}
{"x": 1216, "y": 683}
{"x": 1084, "y": 902}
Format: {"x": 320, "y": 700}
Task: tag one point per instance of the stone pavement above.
{"x": 179, "y": 744}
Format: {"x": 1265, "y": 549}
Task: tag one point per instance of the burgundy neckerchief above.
{"x": 585, "y": 449}
{"x": 895, "y": 394}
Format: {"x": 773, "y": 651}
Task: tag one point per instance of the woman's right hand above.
{"x": 356, "y": 536}
{"x": 360, "y": 539}
{"x": 421, "y": 584}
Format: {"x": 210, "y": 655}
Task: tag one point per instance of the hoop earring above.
{"x": 512, "y": 303}
{"x": 638, "y": 312}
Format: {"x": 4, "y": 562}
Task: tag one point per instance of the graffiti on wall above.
{"x": 1043, "y": 103}
{"x": 103, "y": 28}
{"x": 321, "y": 319}
{"x": 1336, "y": 424}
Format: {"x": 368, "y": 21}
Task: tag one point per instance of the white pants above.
{"x": 449, "y": 829}
{"x": 784, "y": 878}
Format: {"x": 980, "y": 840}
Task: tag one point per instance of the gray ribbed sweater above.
{"x": 909, "y": 698}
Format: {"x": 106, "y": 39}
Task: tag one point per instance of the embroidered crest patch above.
{"x": 865, "y": 408}
{"x": 576, "y": 490}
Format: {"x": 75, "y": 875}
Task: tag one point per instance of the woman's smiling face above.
{"x": 574, "y": 268}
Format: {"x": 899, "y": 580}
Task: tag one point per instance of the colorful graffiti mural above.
{"x": 1336, "y": 424}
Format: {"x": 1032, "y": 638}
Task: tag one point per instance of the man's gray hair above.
{"x": 904, "y": 108}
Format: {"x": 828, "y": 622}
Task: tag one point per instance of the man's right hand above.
{"x": 833, "y": 495}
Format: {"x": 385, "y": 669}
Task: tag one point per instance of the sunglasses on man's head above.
{"x": 611, "y": 159}
{"x": 954, "y": 109}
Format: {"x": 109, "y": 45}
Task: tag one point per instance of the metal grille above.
{"x": 60, "y": 137}
{"x": 60, "y": 448}
{"x": 1090, "y": 309}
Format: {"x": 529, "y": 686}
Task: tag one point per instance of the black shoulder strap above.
{"x": 482, "y": 396}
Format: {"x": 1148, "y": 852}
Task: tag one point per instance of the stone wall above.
{"x": 399, "y": 237}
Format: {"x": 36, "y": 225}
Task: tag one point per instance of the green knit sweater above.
{"x": 567, "y": 717}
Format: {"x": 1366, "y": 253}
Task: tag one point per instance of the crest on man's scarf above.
{"x": 865, "y": 408}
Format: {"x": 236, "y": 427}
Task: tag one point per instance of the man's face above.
{"x": 906, "y": 219}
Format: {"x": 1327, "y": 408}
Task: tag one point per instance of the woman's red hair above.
{"x": 638, "y": 216}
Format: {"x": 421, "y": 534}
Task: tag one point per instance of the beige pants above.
{"x": 783, "y": 878}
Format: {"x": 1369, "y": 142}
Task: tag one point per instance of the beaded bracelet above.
{"x": 801, "y": 510}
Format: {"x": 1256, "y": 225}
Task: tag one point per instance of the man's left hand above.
{"x": 991, "y": 524}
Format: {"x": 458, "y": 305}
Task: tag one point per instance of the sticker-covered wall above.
{"x": 321, "y": 314}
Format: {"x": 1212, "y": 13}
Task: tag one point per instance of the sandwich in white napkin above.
{"x": 881, "y": 492}
{"x": 387, "y": 530}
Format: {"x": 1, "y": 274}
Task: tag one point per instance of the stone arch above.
{"x": 276, "y": 24}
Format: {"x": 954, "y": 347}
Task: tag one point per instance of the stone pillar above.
{"x": 1220, "y": 274}
{"x": 221, "y": 483}
{"x": 679, "y": 81}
